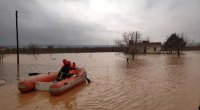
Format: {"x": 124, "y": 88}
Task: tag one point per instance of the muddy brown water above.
{"x": 150, "y": 82}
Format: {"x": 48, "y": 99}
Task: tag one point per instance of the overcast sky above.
{"x": 96, "y": 22}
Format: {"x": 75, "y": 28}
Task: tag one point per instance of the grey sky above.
{"x": 90, "y": 22}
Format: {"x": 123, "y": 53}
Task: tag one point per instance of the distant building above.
{"x": 2, "y": 49}
{"x": 147, "y": 47}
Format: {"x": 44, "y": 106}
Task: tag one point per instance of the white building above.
{"x": 148, "y": 47}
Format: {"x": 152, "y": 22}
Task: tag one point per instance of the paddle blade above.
{"x": 32, "y": 74}
{"x": 88, "y": 80}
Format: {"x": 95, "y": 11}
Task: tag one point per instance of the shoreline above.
{"x": 77, "y": 50}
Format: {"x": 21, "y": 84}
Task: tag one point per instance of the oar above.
{"x": 88, "y": 80}
{"x": 32, "y": 74}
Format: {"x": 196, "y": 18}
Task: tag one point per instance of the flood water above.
{"x": 150, "y": 82}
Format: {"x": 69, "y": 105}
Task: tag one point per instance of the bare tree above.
{"x": 33, "y": 48}
{"x": 128, "y": 44}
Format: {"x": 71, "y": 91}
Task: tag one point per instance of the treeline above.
{"x": 31, "y": 50}
{"x": 192, "y": 48}
{"x": 62, "y": 50}
{"x": 187, "y": 48}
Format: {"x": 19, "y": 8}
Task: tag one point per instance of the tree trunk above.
{"x": 34, "y": 51}
{"x": 133, "y": 56}
{"x": 178, "y": 52}
{"x": 127, "y": 60}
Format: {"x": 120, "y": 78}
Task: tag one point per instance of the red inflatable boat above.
{"x": 68, "y": 83}
{"x": 55, "y": 88}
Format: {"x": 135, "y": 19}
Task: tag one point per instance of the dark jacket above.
{"x": 65, "y": 68}
{"x": 64, "y": 72}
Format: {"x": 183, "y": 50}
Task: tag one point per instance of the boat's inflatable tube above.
{"x": 29, "y": 84}
{"x": 68, "y": 83}
{"x": 79, "y": 76}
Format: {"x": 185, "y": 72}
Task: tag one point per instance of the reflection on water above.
{"x": 153, "y": 82}
{"x": 68, "y": 99}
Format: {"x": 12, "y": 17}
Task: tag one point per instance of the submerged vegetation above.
{"x": 124, "y": 44}
{"x": 175, "y": 43}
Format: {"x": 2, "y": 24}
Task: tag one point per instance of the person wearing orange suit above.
{"x": 73, "y": 69}
{"x": 73, "y": 66}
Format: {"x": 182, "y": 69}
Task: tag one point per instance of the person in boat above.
{"x": 73, "y": 66}
{"x": 73, "y": 70}
{"x": 64, "y": 71}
